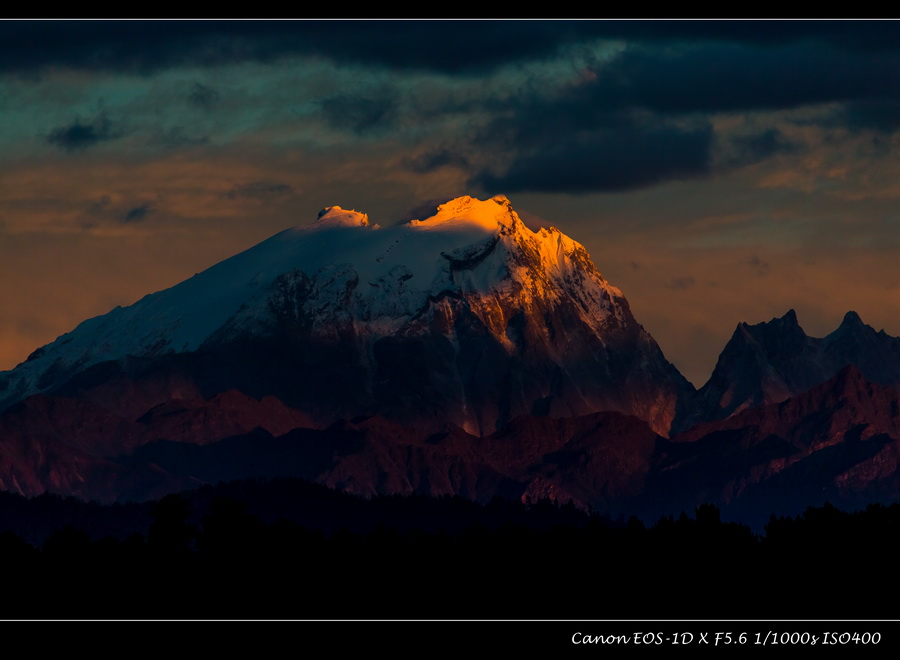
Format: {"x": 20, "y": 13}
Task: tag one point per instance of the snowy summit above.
{"x": 341, "y": 278}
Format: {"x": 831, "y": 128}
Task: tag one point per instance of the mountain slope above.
{"x": 467, "y": 317}
{"x": 838, "y": 442}
{"x": 773, "y": 361}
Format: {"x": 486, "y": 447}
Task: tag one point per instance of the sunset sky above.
{"x": 716, "y": 171}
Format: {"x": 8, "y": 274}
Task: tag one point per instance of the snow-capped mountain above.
{"x": 461, "y": 354}
{"x": 467, "y": 317}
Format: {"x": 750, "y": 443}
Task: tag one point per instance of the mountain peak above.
{"x": 493, "y": 214}
{"x": 852, "y": 321}
{"x": 335, "y": 216}
{"x": 790, "y": 318}
{"x": 467, "y": 315}
{"x": 852, "y": 329}
{"x": 772, "y": 328}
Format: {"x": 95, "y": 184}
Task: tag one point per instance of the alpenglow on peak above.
{"x": 466, "y": 317}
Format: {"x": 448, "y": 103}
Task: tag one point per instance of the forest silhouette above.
{"x": 288, "y": 549}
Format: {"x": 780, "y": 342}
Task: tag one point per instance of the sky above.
{"x": 717, "y": 171}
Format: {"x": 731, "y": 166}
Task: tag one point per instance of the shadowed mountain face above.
{"x": 74, "y": 447}
{"x": 771, "y": 362}
{"x": 459, "y": 355}
{"x": 70, "y": 445}
{"x": 838, "y": 442}
{"x": 467, "y": 318}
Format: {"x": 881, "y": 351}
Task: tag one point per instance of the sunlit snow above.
{"x": 473, "y": 247}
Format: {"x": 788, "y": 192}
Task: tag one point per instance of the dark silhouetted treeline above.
{"x": 293, "y": 550}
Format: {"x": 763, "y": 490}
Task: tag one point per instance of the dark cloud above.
{"x": 259, "y": 190}
{"x": 636, "y": 119}
{"x": 644, "y": 116}
{"x": 876, "y": 115}
{"x": 853, "y": 35}
{"x": 82, "y": 135}
{"x": 203, "y": 96}
{"x": 137, "y": 213}
{"x": 129, "y": 46}
{"x": 361, "y": 113}
{"x": 447, "y": 46}
{"x": 149, "y": 45}
{"x": 735, "y": 77}
{"x": 684, "y": 81}
{"x": 762, "y": 145}
{"x": 436, "y": 159}
{"x": 748, "y": 148}
{"x": 606, "y": 161}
